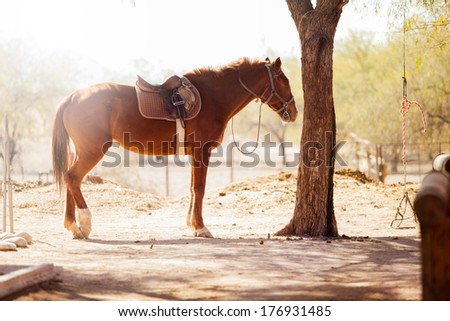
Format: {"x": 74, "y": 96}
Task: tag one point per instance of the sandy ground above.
{"x": 140, "y": 248}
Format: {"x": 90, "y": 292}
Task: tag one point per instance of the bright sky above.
{"x": 175, "y": 34}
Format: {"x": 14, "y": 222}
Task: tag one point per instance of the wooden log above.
{"x": 432, "y": 205}
{"x": 432, "y": 200}
{"x": 442, "y": 164}
{"x": 21, "y": 279}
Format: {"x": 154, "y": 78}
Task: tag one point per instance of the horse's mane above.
{"x": 243, "y": 63}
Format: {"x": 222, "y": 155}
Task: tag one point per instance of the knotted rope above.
{"x": 404, "y": 109}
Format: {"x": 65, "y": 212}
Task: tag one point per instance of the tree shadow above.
{"x": 279, "y": 269}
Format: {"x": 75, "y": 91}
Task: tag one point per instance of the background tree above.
{"x": 314, "y": 213}
{"x": 13, "y": 144}
{"x": 373, "y": 71}
{"x": 429, "y": 43}
{"x": 31, "y": 84}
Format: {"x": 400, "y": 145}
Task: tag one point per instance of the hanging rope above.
{"x": 401, "y": 209}
{"x": 404, "y": 109}
{"x": 406, "y": 105}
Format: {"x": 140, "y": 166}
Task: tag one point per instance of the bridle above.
{"x": 283, "y": 110}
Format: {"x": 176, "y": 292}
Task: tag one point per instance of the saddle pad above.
{"x": 152, "y": 105}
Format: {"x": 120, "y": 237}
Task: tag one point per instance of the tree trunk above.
{"x": 432, "y": 205}
{"x": 314, "y": 209}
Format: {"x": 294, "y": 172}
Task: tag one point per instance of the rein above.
{"x": 257, "y": 135}
{"x": 263, "y": 101}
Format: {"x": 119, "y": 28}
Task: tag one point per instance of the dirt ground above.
{"x": 141, "y": 249}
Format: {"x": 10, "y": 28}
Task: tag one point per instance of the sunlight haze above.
{"x": 174, "y": 34}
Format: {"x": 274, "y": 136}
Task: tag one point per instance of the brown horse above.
{"x": 97, "y": 116}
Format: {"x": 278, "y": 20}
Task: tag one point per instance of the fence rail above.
{"x": 381, "y": 162}
{"x": 384, "y": 162}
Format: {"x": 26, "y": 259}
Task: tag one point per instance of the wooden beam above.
{"x": 432, "y": 205}
{"x": 21, "y": 279}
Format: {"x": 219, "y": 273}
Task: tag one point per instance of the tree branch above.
{"x": 330, "y": 5}
{"x": 439, "y": 117}
{"x": 299, "y": 7}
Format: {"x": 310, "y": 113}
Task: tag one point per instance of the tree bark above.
{"x": 314, "y": 209}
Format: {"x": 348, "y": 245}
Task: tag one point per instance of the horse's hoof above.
{"x": 85, "y": 230}
{"x": 84, "y": 219}
{"x": 77, "y": 235}
{"x": 204, "y": 232}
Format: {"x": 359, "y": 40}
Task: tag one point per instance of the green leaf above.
{"x": 419, "y": 62}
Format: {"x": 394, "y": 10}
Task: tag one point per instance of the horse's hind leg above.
{"x": 70, "y": 222}
{"x": 83, "y": 164}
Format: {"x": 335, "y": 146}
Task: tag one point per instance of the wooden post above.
{"x": 369, "y": 165}
{"x": 379, "y": 162}
{"x": 9, "y": 185}
{"x": 231, "y": 160}
{"x": 7, "y": 188}
{"x": 432, "y": 205}
{"x": 4, "y": 189}
{"x": 166, "y": 160}
{"x": 358, "y": 166}
{"x": 418, "y": 161}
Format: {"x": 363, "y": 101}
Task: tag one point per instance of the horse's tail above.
{"x": 60, "y": 145}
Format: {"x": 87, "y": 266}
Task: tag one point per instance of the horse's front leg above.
{"x": 191, "y": 200}
{"x": 200, "y": 161}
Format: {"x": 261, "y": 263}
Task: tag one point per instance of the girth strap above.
{"x": 180, "y": 138}
{"x": 178, "y": 103}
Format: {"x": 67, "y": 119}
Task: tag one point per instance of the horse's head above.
{"x": 280, "y": 98}
{"x": 277, "y": 93}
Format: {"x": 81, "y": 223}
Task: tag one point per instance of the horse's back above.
{"x": 89, "y": 112}
{"x": 101, "y": 94}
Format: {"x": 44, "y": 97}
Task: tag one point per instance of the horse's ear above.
{"x": 268, "y": 60}
{"x": 277, "y": 64}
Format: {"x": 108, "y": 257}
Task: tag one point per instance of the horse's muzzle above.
{"x": 289, "y": 115}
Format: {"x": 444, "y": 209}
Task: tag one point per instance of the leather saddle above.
{"x": 170, "y": 84}
{"x": 176, "y": 98}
